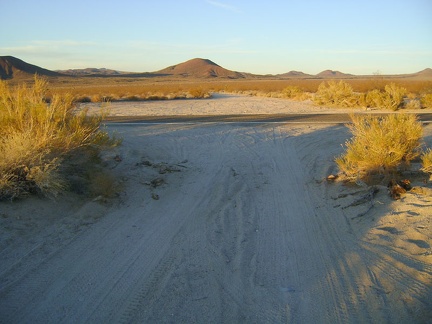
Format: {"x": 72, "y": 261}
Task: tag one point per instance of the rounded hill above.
{"x": 200, "y": 68}
{"x": 11, "y": 67}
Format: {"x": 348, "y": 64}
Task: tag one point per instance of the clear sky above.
{"x": 264, "y": 37}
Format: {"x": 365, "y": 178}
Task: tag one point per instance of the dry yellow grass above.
{"x": 98, "y": 89}
{"x": 137, "y": 89}
{"x": 427, "y": 161}
{"x": 380, "y": 145}
{"x": 36, "y": 135}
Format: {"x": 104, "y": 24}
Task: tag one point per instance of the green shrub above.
{"x": 334, "y": 93}
{"x": 380, "y": 145}
{"x": 35, "y": 136}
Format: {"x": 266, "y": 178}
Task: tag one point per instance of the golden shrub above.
{"x": 426, "y": 159}
{"x": 35, "y": 135}
{"x": 380, "y": 145}
{"x": 426, "y": 100}
{"x": 334, "y": 93}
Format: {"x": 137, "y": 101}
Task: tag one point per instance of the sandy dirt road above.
{"x": 240, "y": 229}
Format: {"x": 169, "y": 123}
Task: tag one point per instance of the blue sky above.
{"x": 264, "y": 37}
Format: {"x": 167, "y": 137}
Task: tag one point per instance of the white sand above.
{"x": 245, "y": 230}
{"x": 222, "y": 104}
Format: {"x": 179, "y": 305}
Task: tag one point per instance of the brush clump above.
{"x": 380, "y": 145}
{"x": 38, "y": 134}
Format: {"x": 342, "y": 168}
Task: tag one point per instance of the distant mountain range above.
{"x": 12, "y": 67}
{"x": 91, "y": 71}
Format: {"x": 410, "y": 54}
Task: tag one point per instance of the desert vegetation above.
{"x": 426, "y": 159}
{"x": 381, "y": 93}
{"x": 334, "y": 93}
{"x": 381, "y": 146}
{"x": 341, "y": 94}
{"x": 426, "y": 100}
{"x": 391, "y": 98}
{"x": 38, "y": 135}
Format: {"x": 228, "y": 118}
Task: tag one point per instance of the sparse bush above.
{"x": 334, "y": 93}
{"x": 83, "y": 99}
{"x": 291, "y": 92}
{"x": 380, "y": 145}
{"x": 295, "y": 93}
{"x": 133, "y": 98}
{"x": 413, "y": 104}
{"x": 426, "y": 100}
{"x": 374, "y": 98}
{"x": 395, "y": 96}
{"x": 35, "y": 136}
{"x": 426, "y": 159}
{"x": 199, "y": 93}
{"x": 391, "y": 98}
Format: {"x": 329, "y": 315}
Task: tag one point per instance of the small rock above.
{"x": 332, "y": 177}
{"x": 146, "y": 163}
{"x": 406, "y": 184}
{"x": 395, "y": 190}
{"x": 157, "y": 182}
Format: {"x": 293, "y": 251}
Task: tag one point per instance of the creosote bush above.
{"x": 380, "y": 145}
{"x": 426, "y": 100}
{"x": 291, "y": 92}
{"x": 35, "y": 136}
{"x": 391, "y": 98}
{"x": 199, "y": 93}
{"x": 426, "y": 159}
{"x": 334, "y": 93}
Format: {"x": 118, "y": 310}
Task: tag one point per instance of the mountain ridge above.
{"x": 12, "y": 67}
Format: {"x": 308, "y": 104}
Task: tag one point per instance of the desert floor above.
{"x": 220, "y": 223}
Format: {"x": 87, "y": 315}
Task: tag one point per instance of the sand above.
{"x": 220, "y": 223}
{"x": 223, "y": 104}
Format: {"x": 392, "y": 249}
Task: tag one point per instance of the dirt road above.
{"x": 239, "y": 229}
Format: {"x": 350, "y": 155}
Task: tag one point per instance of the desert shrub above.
{"x": 426, "y": 100}
{"x": 83, "y": 99}
{"x": 395, "y": 96}
{"x": 35, "y": 136}
{"x": 380, "y": 145}
{"x": 199, "y": 93}
{"x": 334, "y": 93}
{"x": 291, "y": 92}
{"x": 426, "y": 159}
{"x": 132, "y": 98}
{"x": 295, "y": 93}
{"x": 391, "y": 98}
{"x": 374, "y": 98}
{"x": 413, "y": 104}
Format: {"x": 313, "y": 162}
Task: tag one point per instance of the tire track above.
{"x": 243, "y": 236}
